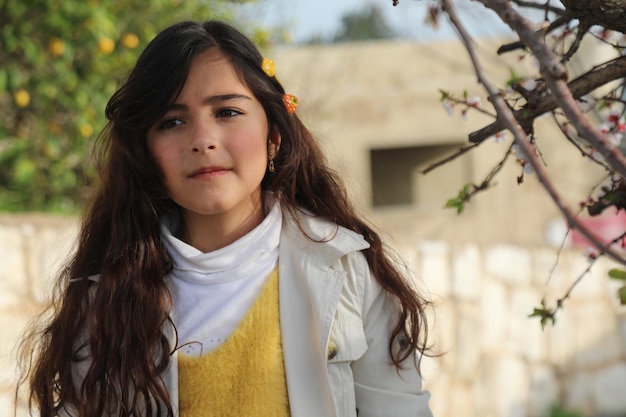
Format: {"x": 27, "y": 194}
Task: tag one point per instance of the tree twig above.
{"x": 509, "y": 121}
{"x": 583, "y": 29}
{"x": 555, "y": 74}
{"x": 449, "y": 158}
{"x": 581, "y": 86}
{"x": 520, "y": 45}
{"x": 571, "y": 140}
{"x": 561, "y": 300}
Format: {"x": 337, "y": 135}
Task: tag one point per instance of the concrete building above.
{"x": 376, "y": 108}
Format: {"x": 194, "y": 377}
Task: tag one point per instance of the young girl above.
{"x": 220, "y": 269}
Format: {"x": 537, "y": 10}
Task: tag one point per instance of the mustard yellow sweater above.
{"x": 245, "y": 376}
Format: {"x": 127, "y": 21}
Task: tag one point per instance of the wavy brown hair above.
{"x": 113, "y": 332}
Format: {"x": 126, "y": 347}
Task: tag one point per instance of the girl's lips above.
{"x": 208, "y": 172}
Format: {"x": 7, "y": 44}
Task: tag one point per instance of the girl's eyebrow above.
{"x": 211, "y": 100}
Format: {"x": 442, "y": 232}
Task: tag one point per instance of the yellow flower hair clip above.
{"x": 268, "y": 67}
{"x": 289, "y": 100}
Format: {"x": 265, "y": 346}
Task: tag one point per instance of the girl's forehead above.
{"x": 215, "y": 58}
{"x": 207, "y": 61}
{"x": 212, "y": 54}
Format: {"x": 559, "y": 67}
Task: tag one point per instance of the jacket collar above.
{"x": 322, "y": 240}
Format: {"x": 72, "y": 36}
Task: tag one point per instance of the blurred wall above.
{"x": 372, "y": 103}
{"x": 496, "y": 361}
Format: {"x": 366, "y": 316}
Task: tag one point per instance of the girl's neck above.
{"x": 211, "y": 232}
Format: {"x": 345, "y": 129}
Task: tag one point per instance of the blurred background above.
{"x": 370, "y": 78}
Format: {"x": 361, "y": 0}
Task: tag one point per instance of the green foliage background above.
{"x": 60, "y": 61}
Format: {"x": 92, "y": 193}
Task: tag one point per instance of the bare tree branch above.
{"x": 581, "y": 86}
{"x": 583, "y": 29}
{"x": 449, "y": 158}
{"x": 556, "y": 71}
{"x": 610, "y": 14}
{"x": 571, "y": 140}
{"x": 555, "y": 74}
{"x": 520, "y": 45}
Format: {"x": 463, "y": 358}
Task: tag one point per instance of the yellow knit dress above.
{"x": 245, "y": 376}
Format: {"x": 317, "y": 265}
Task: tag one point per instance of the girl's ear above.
{"x": 273, "y": 143}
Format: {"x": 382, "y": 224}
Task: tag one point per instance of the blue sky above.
{"x": 306, "y": 18}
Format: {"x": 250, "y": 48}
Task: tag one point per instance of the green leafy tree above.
{"x": 60, "y": 62}
{"x": 364, "y": 24}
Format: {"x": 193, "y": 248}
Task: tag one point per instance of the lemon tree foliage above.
{"x": 60, "y": 62}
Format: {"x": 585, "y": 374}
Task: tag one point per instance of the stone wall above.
{"x": 32, "y": 249}
{"x": 496, "y": 361}
{"x": 499, "y": 362}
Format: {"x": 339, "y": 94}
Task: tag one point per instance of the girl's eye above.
{"x": 228, "y": 113}
{"x": 170, "y": 124}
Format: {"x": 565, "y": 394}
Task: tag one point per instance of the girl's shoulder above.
{"x": 314, "y": 234}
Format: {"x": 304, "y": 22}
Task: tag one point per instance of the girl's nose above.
{"x": 198, "y": 149}
{"x": 203, "y": 137}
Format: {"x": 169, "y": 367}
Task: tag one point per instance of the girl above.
{"x": 220, "y": 269}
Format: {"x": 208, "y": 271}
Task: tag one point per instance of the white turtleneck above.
{"x": 213, "y": 291}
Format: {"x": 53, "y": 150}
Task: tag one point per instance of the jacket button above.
{"x": 331, "y": 350}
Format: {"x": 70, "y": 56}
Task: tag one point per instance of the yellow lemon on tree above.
{"x": 21, "y": 97}
{"x": 56, "y": 47}
{"x": 86, "y": 130}
{"x": 130, "y": 40}
{"x": 106, "y": 45}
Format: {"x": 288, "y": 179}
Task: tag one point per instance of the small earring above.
{"x": 270, "y": 165}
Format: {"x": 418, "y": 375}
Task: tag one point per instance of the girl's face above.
{"x": 212, "y": 144}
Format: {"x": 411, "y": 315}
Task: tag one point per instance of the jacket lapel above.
{"x": 309, "y": 291}
{"x": 304, "y": 307}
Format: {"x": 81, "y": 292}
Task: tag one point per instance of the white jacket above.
{"x": 336, "y": 323}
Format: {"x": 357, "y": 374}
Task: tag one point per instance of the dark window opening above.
{"x": 397, "y": 177}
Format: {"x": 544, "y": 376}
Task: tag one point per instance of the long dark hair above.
{"x": 114, "y": 332}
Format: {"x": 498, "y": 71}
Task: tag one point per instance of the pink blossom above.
{"x": 474, "y": 101}
{"x": 589, "y": 201}
{"x": 597, "y": 156}
{"x": 610, "y": 36}
{"x": 519, "y": 152}
{"x": 591, "y": 254}
{"x": 585, "y": 103}
{"x": 603, "y": 128}
{"x": 561, "y": 33}
{"x": 613, "y": 118}
{"x": 529, "y": 84}
{"x": 528, "y": 168}
{"x": 615, "y": 138}
{"x": 449, "y": 107}
{"x": 499, "y": 137}
{"x": 616, "y": 120}
{"x": 607, "y": 35}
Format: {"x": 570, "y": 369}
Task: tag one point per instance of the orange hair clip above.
{"x": 291, "y": 103}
